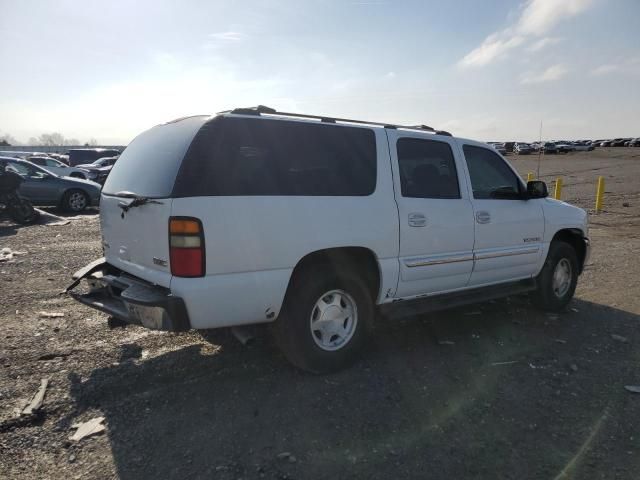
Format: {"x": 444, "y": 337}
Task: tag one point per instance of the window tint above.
{"x": 427, "y": 169}
{"x": 489, "y": 173}
{"x": 242, "y": 156}
{"x": 51, "y": 163}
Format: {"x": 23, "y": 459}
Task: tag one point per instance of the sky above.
{"x": 489, "y": 70}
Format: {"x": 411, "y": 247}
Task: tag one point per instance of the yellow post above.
{"x": 529, "y": 176}
{"x": 558, "y": 192}
{"x": 599, "y": 194}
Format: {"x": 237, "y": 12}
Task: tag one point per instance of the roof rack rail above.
{"x": 262, "y": 109}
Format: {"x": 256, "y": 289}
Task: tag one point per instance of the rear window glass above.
{"x": 244, "y": 156}
{"x": 149, "y": 165}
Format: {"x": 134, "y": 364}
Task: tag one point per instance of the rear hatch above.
{"x": 135, "y": 204}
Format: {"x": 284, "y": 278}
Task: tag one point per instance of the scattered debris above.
{"x": 37, "y": 400}
{"x": 283, "y": 455}
{"x": 573, "y": 367}
{"x": 53, "y": 355}
{"x": 625, "y": 204}
{"x": 559, "y": 340}
{"x": 574, "y": 310}
{"x": 446, "y": 342}
{"x": 50, "y": 219}
{"x": 619, "y": 338}
{"x": 6, "y": 254}
{"x": 88, "y": 428}
{"x": 495, "y": 364}
{"x": 44, "y": 314}
{"x": 632, "y": 388}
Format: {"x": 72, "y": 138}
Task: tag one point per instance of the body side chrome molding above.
{"x": 468, "y": 257}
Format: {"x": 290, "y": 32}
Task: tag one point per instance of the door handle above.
{"x": 483, "y": 217}
{"x": 417, "y": 220}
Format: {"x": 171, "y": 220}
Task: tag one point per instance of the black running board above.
{"x": 422, "y": 305}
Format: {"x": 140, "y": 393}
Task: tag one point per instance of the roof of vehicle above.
{"x": 268, "y": 112}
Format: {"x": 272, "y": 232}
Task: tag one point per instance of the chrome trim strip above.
{"x": 484, "y": 256}
{"x": 422, "y": 262}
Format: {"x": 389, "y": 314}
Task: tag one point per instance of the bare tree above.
{"x": 7, "y": 140}
{"x": 92, "y": 142}
{"x": 54, "y": 139}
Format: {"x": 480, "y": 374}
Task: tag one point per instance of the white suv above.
{"x": 315, "y": 224}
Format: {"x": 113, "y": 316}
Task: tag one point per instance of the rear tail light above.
{"x": 186, "y": 247}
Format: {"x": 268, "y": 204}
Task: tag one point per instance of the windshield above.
{"x": 149, "y": 165}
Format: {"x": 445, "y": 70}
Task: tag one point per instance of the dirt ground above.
{"x": 497, "y": 390}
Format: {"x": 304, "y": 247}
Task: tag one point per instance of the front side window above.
{"x": 490, "y": 175}
{"x": 427, "y": 169}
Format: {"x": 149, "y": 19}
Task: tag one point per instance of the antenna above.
{"x": 540, "y": 147}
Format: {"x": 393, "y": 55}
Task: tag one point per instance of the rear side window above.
{"x": 243, "y": 157}
{"x": 489, "y": 173}
{"x": 427, "y": 169}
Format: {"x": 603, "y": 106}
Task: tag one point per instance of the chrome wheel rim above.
{"x": 561, "y": 278}
{"x": 77, "y": 201}
{"x": 333, "y": 321}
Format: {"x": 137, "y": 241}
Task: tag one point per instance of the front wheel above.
{"x": 558, "y": 279}
{"x": 324, "y": 321}
{"x": 75, "y": 201}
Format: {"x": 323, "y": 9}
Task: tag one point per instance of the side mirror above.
{"x": 537, "y": 189}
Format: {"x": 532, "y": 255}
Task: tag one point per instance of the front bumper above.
{"x": 129, "y": 298}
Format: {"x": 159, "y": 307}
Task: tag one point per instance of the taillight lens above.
{"x": 186, "y": 247}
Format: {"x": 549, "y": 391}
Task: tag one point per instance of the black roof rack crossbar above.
{"x": 262, "y": 109}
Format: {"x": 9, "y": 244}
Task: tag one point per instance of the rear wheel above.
{"x": 22, "y": 211}
{"x": 325, "y": 319}
{"x": 75, "y": 201}
{"x": 558, "y": 279}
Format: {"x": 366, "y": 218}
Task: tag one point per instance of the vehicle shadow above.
{"x": 497, "y": 390}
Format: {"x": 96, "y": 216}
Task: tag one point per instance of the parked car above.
{"x": 522, "y": 148}
{"x": 499, "y": 147}
{"x": 564, "y": 147}
{"x": 606, "y": 143}
{"x": 44, "y": 188}
{"x": 619, "y": 142}
{"x": 508, "y": 146}
{"x": 59, "y": 168}
{"x": 635, "y": 142}
{"x": 21, "y": 154}
{"x": 583, "y": 146}
{"x": 548, "y": 148}
{"x": 100, "y": 168}
{"x": 78, "y": 156}
{"x": 315, "y": 224}
{"x": 59, "y": 156}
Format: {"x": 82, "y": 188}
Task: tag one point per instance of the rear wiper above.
{"x": 136, "y": 201}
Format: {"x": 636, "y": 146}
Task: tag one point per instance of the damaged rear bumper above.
{"x": 129, "y": 298}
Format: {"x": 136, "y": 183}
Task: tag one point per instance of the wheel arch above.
{"x": 353, "y": 258}
{"x": 576, "y": 238}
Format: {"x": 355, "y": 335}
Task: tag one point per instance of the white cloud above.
{"x": 543, "y": 43}
{"x": 606, "y": 69}
{"x": 229, "y": 36}
{"x": 537, "y": 18}
{"x": 628, "y": 66}
{"x": 554, "y": 72}
{"x": 491, "y": 49}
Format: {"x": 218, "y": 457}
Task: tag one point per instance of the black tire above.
{"x": 23, "y": 212}
{"x": 293, "y": 330}
{"x": 548, "y": 296}
{"x": 71, "y": 201}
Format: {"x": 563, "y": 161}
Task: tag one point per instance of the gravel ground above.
{"x": 497, "y": 390}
